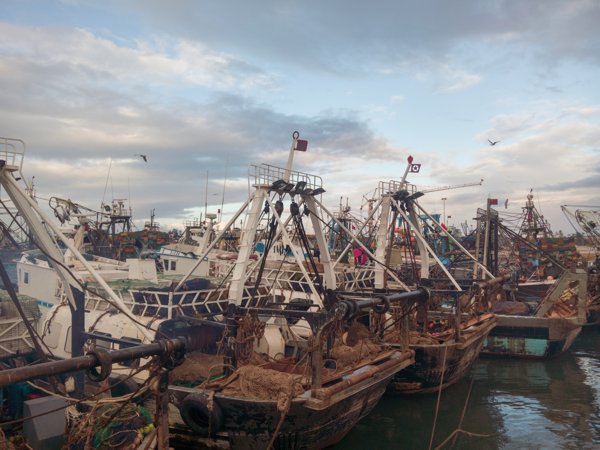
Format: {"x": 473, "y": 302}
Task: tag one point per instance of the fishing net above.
{"x": 112, "y": 426}
{"x": 264, "y": 384}
{"x": 345, "y": 355}
{"x": 197, "y": 368}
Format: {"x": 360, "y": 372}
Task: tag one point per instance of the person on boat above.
{"x": 357, "y": 256}
{"x": 317, "y": 254}
{"x": 364, "y": 258}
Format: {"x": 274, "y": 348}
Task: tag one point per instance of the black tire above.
{"x": 120, "y": 385}
{"x": 195, "y": 413}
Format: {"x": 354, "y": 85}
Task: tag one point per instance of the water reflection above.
{"x": 524, "y": 404}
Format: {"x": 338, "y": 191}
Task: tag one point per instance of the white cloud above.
{"x": 166, "y": 61}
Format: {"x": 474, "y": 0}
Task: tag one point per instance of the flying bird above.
{"x": 493, "y": 142}
{"x": 144, "y": 157}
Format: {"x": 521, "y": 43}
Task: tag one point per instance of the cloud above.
{"x": 77, "y": 52}
{"x": 199, "y": 83}
{"x": 384, "y": 34}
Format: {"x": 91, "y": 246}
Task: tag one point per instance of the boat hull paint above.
{"x": 425, "y": 375}
{"x": 309, "y": 423}
{"x": 531, "y": 337}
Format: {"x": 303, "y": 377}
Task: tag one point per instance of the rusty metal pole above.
{"x": 405, "y": 328}
{"x": 161, "y": 416}
{"x": 477, "y": 243}
{"x": 77, "y": 336}
{"x": 11, "y": 376}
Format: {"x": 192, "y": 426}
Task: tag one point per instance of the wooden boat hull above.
{"x": 531, "y": 337}
{"x": 311, "y": 422}
{"x": 425, "y": 375}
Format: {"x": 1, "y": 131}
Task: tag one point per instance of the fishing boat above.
{"x": 448, "y": 334}
{"x": 336, "y": 379}
{"x": 540, "y": 327}
{"x": 443, "y": 354}
{"x": 309, "y": 398}
{"x": 587, "y": 219}
{"x": 538, "y": 318}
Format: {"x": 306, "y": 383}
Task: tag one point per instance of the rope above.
{"x": 272, "y": 286}
{"x": 112, "y": 417}
{"x": 248, "y": 329}
{"x": 372, "y": 259}
{"x": 5, "y": 444}
{"x": 283, "y": 406}
{"x": 468, "y": 433}
{"x": 464, "y": 411}
{"x": 437, "y": 406}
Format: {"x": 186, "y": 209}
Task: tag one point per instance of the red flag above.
{"x": 414, "y": 168}
{"x": 301, "y": 145}
{"x": 492, "y": 201}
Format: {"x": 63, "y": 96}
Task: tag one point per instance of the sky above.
{"x": 205, "y": 89}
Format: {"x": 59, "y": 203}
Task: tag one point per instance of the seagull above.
{"x": 145, "y": 157}
{"x": 493, "y": 142}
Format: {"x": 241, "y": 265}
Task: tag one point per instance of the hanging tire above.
{"x": 195, "y": 413}
{"x": 120, "y": 385}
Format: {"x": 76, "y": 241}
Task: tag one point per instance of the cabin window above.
{"x": 173, "y": 265}
{"x": 53, "y": 335}
{"x": 134, "y": 363}
{"x": 26, "y": 277}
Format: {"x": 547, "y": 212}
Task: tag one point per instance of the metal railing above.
{"x": 293, "y": 280}
{"x": 168, "y": 304}
{"x": 266, "y": 175}
{"x": 12, "y": 151}
{"x": 393, "y": 186}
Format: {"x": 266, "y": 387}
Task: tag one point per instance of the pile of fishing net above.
{"x": 111, "y": 426}
{"x": 264, "y": 384}
{"x": 345, "y": 355}
{"x": 197, "y": 368}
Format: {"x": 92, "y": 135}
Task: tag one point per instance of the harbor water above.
{"x": 507, "y": 404}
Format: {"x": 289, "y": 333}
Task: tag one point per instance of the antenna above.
{"x": 206, "y": 195}
{"x": 224, "y": 183}
{"x": 107, "y": 177}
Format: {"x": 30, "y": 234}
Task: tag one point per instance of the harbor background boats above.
{"x": 519, "y": 404}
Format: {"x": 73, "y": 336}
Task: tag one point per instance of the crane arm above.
{"x": 456, "y": 186}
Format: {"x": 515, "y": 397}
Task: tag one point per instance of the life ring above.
{"x": 196, "y": 414}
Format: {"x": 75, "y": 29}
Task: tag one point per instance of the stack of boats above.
{"x": 296, "y": 342}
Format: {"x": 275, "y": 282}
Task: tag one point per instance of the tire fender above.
{"x": 197, "y": 415}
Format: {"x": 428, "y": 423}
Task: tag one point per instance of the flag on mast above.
{"x": 301, "y": 145}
